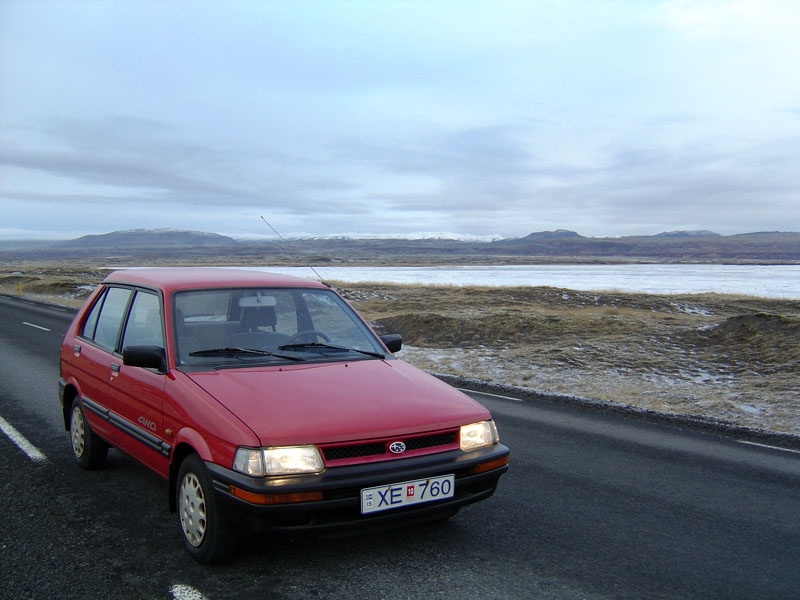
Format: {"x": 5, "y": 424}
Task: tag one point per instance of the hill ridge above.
{"x": 560, "y": 245}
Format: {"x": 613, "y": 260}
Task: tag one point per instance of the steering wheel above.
{"x": 301, "y": 334}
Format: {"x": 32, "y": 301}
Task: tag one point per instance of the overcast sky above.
{"x": 606, "y": 117}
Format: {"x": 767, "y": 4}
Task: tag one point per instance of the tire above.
{"x": 206, "y": 534}
{"x": 89, "y": 450}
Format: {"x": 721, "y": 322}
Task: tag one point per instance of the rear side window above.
{"x": 204, "y": 306}
{"x": 104, "y": 322}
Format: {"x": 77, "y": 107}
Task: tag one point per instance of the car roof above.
{"x": 171, "y": 279}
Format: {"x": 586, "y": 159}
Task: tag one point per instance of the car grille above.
{"x": 379, "y": 449}
{"x": 345, "y": 452}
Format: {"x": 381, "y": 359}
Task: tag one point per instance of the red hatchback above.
{"x": 267, "y": 403}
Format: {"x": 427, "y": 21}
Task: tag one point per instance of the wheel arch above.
{"x": 68, "y": 395}
{"x": 189, "y": 442}
{"x": 180, "y": 452}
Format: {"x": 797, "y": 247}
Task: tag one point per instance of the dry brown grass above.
{"x": 60, "y": 284}
{"x": 730, "y": 358}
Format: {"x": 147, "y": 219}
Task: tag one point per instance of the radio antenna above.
{"x": 283, "y": 239}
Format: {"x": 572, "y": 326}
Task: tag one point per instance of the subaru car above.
{"x": 268, "y": 405}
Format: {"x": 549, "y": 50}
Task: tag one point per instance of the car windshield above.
{"x": 239, "y": 327}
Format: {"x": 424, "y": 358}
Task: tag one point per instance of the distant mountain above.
{"x": 558, "y": 234}
{"x": 147, "y": 245}
{"x": 683, "y": 246}
{"x": 147, "y": 238}
{"x": 695, "y": 233}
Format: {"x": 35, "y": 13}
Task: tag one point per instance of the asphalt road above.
{"x": 593, "y": 507}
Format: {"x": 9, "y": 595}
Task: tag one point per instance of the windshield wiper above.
{"x": 236, "y": 351}
{"x": 321, "y": 346}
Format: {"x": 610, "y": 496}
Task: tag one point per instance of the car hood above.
{"x": 340, "y": 401}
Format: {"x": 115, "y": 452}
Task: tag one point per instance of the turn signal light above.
{"x": 270, "y": 499}
{"x": 488, "y": 466}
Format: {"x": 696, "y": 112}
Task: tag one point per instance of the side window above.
{"x": 105, "y": 319}
{"x": 144, "y": 322}
{"x": 204, "y": 307}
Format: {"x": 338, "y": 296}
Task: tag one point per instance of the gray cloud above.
{"x": 607, "y": 118}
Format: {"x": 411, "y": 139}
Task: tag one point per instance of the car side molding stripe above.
{"x": 136, "y": 432}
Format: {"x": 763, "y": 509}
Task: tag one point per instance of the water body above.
{"x": 766, "y": 281}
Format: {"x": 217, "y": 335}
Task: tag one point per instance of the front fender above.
{"x": 193, "y": 438}
{"x": 188, "y": 441}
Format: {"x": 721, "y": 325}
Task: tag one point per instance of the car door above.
{"x": 94, "y": 358}
{"x": 136, "y": 394}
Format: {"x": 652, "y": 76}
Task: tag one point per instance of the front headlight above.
{"x": 478, "y": 435}
{"x": 285, "y": 460}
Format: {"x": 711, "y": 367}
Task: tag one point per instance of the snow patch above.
{"x": 417, "y": 235}
{"x": 691, "y": 310}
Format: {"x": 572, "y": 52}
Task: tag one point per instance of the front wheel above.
{"x": 89, "y": 450}
{"x": 206, "y": 536}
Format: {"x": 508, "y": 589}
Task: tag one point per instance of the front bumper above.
{"x": 339, "y": 509}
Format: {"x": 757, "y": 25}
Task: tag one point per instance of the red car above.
{"x": 267, "y": 403}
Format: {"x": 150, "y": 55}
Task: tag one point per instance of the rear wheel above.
{"x": 89, "y": 450}
{"x": 207, "y": 537}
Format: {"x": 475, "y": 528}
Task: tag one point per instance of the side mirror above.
{"x": 147, "y": 357}
{"x": 393, "y": 342}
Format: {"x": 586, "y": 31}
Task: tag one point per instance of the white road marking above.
{"x": 768, "y": 446}
{"x": 185, "y": 592}
{"x": 19, "y": 440}
{"x": 36, "y": 326}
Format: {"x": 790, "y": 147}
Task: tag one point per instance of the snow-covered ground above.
{"x": 766, "y": 281}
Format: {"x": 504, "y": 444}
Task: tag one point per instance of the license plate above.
{"x": 397, "y": 495}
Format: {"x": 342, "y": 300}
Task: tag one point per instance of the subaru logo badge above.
{"x": 397, "y": 447}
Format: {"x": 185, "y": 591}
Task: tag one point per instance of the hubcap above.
{"x": 192, "y": 510}
{"x": 78, "y": 431}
